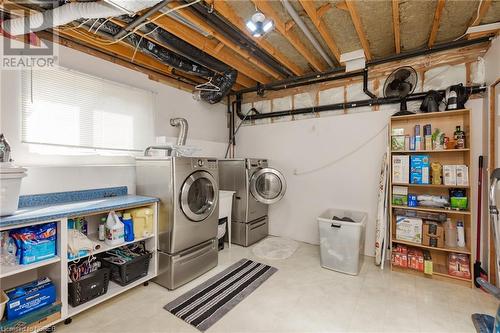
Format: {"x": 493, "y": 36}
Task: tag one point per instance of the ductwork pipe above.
{"x": 70, "y": 12}
{"x": 295, "y": 16}
{"x": 183, "y": 125}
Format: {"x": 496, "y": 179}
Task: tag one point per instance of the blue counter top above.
{"x": 34, "y": 214}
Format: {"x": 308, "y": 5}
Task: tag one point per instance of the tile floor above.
{"x": 303, "y": 297}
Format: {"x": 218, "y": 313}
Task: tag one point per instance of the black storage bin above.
{"x": 130, "y": 271}
{"x": 88, "y": 287}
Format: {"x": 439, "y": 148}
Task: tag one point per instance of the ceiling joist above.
{"x": 395, "y": 25}
{"x": 267, "y": 9}
{"x": 320, "y": 25}
{"x": 223, "y": 8}
{"x": 359, "y": 28}
{"x": 436, "y": 22}
{"x": 210, "y": 46}
{"x": 482, "y": 10}
{"x": 193, "y": 18}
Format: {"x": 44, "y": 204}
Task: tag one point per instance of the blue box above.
{"x": 412, "y": 200}
{"x": 30, "y": 297}
{"x": 419, "y": 169}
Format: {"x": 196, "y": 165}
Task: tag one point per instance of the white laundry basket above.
{"x": 342, "y": 242}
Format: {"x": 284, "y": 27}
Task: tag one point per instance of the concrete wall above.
{"x": 334, "y": 161}
{"x": 48, "y": 173}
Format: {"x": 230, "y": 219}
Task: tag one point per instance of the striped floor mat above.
{"x": 210, "y": 301}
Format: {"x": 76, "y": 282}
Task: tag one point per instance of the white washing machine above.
{"x": 187, "y": 223}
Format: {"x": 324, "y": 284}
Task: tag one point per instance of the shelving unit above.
{"x": 446, "y": 121}
{"x": 57, "y": 268}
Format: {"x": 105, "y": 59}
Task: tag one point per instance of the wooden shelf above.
{"x": 435, "y": 210}
{"x": 105, "y": 247}
{"x": 431, "y": 185}
{"x": 444, "y": 249}
{"x": 441, "y": 270}
{"x": 430, "y": 115}
{"x": 439, "y": 273}
{"x": 445, "y": 151}
{"x": 6, "y": 270}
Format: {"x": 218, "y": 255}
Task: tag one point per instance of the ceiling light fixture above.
{"x": 258, "y": 25}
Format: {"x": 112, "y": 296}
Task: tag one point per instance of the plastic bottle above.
{"x": 129, "y": 227}
{"x": 460, "y": 234}
{"x": 450, "y": 234}
{"x": 115, "y": 230}
{"x": 102, "y": 229}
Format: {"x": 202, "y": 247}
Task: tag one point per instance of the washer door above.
{"x": 199, "y": 195}
{"x": 268, "y": 185}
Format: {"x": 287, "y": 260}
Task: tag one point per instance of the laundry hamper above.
{"x": 342, "y": 241}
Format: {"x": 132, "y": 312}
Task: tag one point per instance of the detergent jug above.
{"x": 129, "y": 227}
{"x": 143, "y": 221}
{"x": 115, "y": 230}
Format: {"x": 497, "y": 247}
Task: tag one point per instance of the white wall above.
{"x": 48, "y": 173}
{"x": 492, "y": 61}
{"x": 350, "y": 183}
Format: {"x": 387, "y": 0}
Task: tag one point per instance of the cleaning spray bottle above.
{"x": 115, "y": 230}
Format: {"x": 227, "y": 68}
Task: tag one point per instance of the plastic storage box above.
{"x": 341, "y": 241}
{"x": 89, "y": 287}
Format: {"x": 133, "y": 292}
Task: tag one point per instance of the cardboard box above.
{"x": 36, "y": 319}
{"x": 30, "y": 297}
{"x": 400, "y": 195}
{"x": 419, "y": 169}
{"x": 397, "y": 142}
{"x": 433, "y": 234}
{"x": 433, "y": 241}
{"x": 401, "y": 169}
{"x": 462, "y": 175}
{"x": 450, "y": 175}
{"x": 409, "y": 229}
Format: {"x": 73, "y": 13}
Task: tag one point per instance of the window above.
{"x": 65, "y": 108}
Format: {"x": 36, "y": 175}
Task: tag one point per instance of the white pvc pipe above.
{"x": 289, "y": 8}
{"x": 69, "y": 12}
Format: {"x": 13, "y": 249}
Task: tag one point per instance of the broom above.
{"x": 478, "y": 270}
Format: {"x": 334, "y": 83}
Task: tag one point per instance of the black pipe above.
{"x": 231, "y": 32}
{"x": 365, "y": 84}
{"x": 316, "y": 77}
{"x": 340, "y": 106}
{"x": 134, "y": 23}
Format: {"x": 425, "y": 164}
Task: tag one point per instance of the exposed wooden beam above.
{"x": 154, "y": 75}
{"x": 436, "y": 22}
{"x": 189, "y": 15}
{"x": 321, "y": 11}
{"x": 240, "y": 79}
{"x": 359, "y": 28}
{"x": 210, "y": 46}
{"x": 483, "y": 9}
{"x": 267, "y": 9}
{"x": 395, "y": 25}
{"x": 342, "y": 6}
{"x": 223, "y": 8}
{"x": 320, "y": 25}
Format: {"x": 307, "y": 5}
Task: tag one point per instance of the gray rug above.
{"x": 210, "y": 301}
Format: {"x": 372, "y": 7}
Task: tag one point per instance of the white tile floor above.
{"x": 303, "y": 297}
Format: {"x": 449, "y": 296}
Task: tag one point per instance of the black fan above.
{"x": 401, "y": 83}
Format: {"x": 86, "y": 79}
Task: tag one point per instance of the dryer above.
{"x": 257, "y": 186}
{"x": 188, "y": 215}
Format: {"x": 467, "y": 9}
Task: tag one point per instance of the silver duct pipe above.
{"x": 183, "y": 124}
{"x": 69, "y": 12}
{"x": 295, "y": 16}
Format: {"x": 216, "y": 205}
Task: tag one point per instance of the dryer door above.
{"x": 268, "y": 185}
{"x": 199, "y": 195}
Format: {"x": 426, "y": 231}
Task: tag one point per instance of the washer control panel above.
{"x": 205, "y": 163}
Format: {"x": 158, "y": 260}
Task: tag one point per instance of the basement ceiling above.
{"x": 339, "y": 27}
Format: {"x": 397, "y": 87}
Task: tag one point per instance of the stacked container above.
{"x": 10, "y": 185}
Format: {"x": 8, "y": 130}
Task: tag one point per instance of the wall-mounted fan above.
{"x": 401, "y": 83}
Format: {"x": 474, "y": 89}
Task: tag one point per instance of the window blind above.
{"x": 63, "y": 107}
